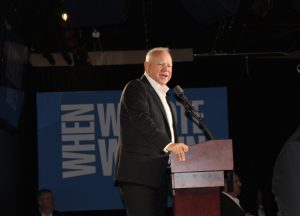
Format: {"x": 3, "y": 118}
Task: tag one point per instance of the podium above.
{"x": 196, "y": 181}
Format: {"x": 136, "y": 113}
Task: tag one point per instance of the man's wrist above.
{"x": 167, "y": 146}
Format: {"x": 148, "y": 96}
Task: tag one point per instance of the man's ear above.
{"x": 146, "y": 65}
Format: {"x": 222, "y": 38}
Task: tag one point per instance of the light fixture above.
{"x": 64, "y": 16}
{"x": 96, "y": 34}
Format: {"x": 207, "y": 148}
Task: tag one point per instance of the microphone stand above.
{"x": 194, "y": 114}
{"x": 196, "y": 117}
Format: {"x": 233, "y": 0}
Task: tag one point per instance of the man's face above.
{"x": 46, "y": 201}
{"x": 236, "y": 185}
{"x": 159, "y": 67}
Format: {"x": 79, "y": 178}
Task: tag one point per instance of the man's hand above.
{"x": 179, "y": 149}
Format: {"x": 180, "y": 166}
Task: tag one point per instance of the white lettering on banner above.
{"x": 78, "y": 140}
{"x": 184, "y": 121}
{"x": 108, "y": 120}
{"x": 107, "y": 155}
{"x": 77, "y": 166}
{"x": 79, "y": 137}
{"x": 77, "y": 111}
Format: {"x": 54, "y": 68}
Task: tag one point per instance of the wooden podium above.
{"x": 196, "y": 181}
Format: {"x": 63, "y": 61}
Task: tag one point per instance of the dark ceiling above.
{"x": 207, "y": 26}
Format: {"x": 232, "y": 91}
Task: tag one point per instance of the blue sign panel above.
{"x": 77, "y": 138}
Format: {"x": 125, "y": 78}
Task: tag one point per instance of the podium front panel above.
{"x": 197, "y": 202}
{"x": 197, "y": 179}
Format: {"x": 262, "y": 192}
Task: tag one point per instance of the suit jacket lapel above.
{"x": 161, "y": 107}
{"x": 155, "y": 96}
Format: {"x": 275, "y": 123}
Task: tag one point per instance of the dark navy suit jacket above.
{"x": 230, "y": 208}
{"x": 54, "y": 213}
{"x": 144, "y": 132}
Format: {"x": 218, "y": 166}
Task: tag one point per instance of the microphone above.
{"x": 180, "y": 93}
{"x": 193, "y": 113}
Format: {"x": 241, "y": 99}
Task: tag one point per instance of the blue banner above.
{"x": 77, "y": 136}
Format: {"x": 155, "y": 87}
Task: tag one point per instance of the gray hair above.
{"x": 154, "y": 50}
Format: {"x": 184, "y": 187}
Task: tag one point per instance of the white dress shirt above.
{"x": 236, "y": 200}
{"x": 162, "y": 90}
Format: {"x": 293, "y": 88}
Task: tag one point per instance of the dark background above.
{"x": 252, "y": 50}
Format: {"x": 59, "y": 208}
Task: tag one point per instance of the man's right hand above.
{"x": 179, "y": 150}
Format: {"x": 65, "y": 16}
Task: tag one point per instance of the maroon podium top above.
{"x": 212, "y": 155}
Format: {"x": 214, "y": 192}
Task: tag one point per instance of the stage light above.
{"x": 64, "y": 16}
{"x": 96, "y": 34}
